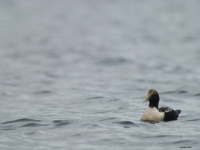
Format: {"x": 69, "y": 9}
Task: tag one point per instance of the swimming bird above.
{"x": 155, "y": 114}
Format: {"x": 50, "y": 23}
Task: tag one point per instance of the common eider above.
{"x": 155, "y": 114}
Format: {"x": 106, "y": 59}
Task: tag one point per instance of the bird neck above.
{"x": 154, "y": 104}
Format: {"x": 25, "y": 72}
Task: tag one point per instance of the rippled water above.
{"x": 73, "y": 74}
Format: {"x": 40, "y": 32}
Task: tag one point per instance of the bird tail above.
{"x": 178, "y": 111}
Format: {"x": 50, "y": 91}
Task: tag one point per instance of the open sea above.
{"x": 74, "y": 73}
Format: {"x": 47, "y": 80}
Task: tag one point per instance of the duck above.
{"x": 155, "y": 114}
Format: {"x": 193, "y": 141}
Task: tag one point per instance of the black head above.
{"x": 153, "y": 98}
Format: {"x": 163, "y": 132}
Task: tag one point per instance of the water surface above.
{"x": 73, "y": 74}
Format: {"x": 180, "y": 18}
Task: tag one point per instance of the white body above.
{"x": 152, "y": 114}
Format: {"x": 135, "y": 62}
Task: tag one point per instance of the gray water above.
{"x": 73, "y": 74}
